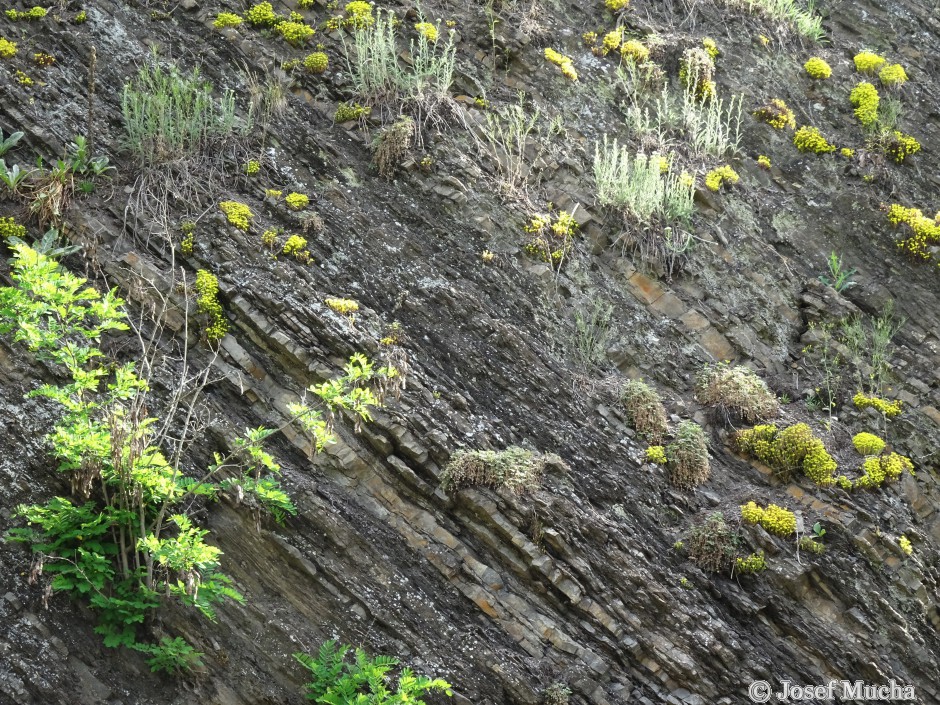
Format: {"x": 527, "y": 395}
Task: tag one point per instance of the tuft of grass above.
{"x": 645, "y": 410}
{"x": 636, "y": 185}
{"x": 170, "y": 115}
{"x": 392, "y": 144}
{"x": 420, "y": 88}
{"x": 801, "y": 19}
{"x": 506, "y": 133}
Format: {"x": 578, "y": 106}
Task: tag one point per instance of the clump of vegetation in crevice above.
{"x": 515, "y": 468}
{"x": 645, "y": 410}
{"x": 687, "y": 456}
{"x": 736, "y": 393}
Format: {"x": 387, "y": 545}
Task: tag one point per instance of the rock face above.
{"x": 577, "y": 582}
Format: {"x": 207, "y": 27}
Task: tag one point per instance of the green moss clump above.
{"x": 296, "y": 247}
{"x": 551, "y": 241}
{"x": 7, "y": 48}
{"x": 899, "y": 146}
{"x": 635, "y": 51}
{"x": 794, "y": 448}
{"x": 809, "y": 139}
{"x": 890, "y": 409}
{"x": 817, "y": 68}
{"x": 865, "y": 98}
{"x": 295, "y": 33}
{"x": 207, "y": 302}
{"x": 297, "y": 201}
{"x": 924, "y": 232}
{"x": 563, "y": 62}
{"x": 358, "y": 15}
{"x": 868, "y": 62}
{"x": 9, "y": 228}
{"x": 776, "y": 520}
{"x": 317, "y": 62}
{"x": 34, "y": 13}
{"x": 238, "y": 214}
{"x": 777, "y": 114}
{"x": 887, "y": 468}
{"x": 262, "y": 15}
{"x": 346, "y": 112}
{"x": 656, "y": 455}
{"x": 892, "y": 76}
{"x": 717, "y": 178}
{"x": 616, "y": 5}
{"x": 868, "y": 443}
{"x": 227, "y": 19}
{"x": 751, "y": 565}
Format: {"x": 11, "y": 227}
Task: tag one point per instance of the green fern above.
{"x": 366, "y": 681}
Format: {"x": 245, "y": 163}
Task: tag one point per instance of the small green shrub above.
{"x": 636, "y": 185}
{"x": 687, "y": 456}
{"x": 392, "y": 144}
{"x": 737, "y": 393}
{"x": 516, "y": 469}
{"x": 712, "y": 545}
{"x": 808, "y": 544}
{"x": 365, "y": 680}
{"x": 803, "y": 20}
{"x": 556, "y": 694}
{"x": 551, "y": 241}
{"x": 346, "y": 112}
{"x": 645, "y": 410}
{"x": 379, "y": 79}
{"x": 697, "y": 73}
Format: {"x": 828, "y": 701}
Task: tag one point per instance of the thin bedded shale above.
{"x": 503, "y": 594}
